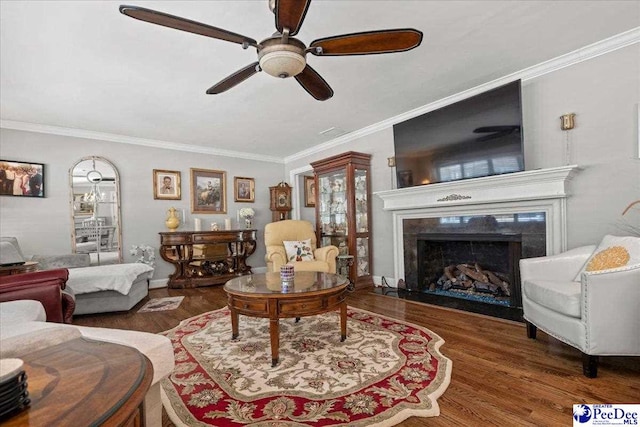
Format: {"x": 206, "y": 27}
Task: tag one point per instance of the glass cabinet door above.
{"x": 333, "y": 210}
{"x": 362, "y": 255}
{"x": 360, "y": 178}
{"x": 362, "y": 225}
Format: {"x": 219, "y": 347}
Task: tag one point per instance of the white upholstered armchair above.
{"x": 276, "y": 233}
{"x": 599, "y": 314}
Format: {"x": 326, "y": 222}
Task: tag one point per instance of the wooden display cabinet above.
{"x": 343, "y": 210}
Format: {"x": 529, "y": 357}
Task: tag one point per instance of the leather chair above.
{"x": 276, "y": 233}
{"x": 44, "y": 286}
{"x": 598, "y": 315}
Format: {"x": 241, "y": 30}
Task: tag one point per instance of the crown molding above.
{"x": 585, "y": 53}
{"x": 155, "y": 143}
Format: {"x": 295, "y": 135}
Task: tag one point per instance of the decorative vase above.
{"x": 172, "y": 222}
{"x": 247, "y": 223}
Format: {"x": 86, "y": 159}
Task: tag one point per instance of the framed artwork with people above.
{"x": 23, "y": 179}
{"x": 208, "y": 191}
{"x": 309, "y": 192}
{"x": 166, "y": 185}
{"x": 244, "y": 189}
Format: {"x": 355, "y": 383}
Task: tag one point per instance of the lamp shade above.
{"x": 282, "y": 63}
{"x": 281, "y": 59}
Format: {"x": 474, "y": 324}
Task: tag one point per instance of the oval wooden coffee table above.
{"x": 263, "y": 295}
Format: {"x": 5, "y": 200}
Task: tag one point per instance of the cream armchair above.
{"x": 598, "y": 315}
{"x": 288, "y": 230}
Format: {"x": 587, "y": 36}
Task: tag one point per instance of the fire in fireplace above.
{"x": 476, "y": 267}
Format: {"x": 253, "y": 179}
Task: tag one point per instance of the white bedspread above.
{"x": 112, "y": 277}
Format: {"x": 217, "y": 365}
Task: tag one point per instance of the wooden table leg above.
{"x": 234, "y": 323}
{"x": 274, "y": 333}
{"x": 343, "y": 321}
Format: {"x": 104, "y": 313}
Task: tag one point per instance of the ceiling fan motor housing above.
{"x": 282, "y": 59}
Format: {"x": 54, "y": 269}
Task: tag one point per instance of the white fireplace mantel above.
{"x": 540, "y": 190}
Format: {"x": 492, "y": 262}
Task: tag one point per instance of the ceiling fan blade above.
{"x": 290, "y": 14}
{"x": 367, "y": 43}
{"x": 183, "y": 24}
{"x": 489, "y": 129}
{"x": 234, "y": 79}
{"x": 314, "y": 84}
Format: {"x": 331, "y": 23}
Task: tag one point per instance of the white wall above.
{"x": 43, "y": 226}
{"x": 604, "y": 92}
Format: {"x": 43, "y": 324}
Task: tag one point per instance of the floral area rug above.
{"x": 384, "y": 372}
{"x": 161, "y": 304}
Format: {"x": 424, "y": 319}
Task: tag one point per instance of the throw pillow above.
{"x": 613, "y": 252}
{"x": 298, "y": 250}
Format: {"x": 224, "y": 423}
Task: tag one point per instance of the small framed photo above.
{"x": 309, "y": 192}
{"x": 166, "y": 185}
{"x": 208, "y": 191}
{"x": 405, "y": 179}
{"x": 244, "y": 189}
{"x": 24, "y": 179}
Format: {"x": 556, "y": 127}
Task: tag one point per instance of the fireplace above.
{"x": 476, "y": 267}
{"x": 479, "y": 251}
{"x": 530, "y": 204}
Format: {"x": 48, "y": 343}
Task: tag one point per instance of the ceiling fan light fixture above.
{"x": 282, "y": 64}
{"x": 282, "y": 59}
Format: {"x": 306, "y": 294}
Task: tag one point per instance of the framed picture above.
{"x": 309, "y": 192}
{"x": 166, "y": 185}
{"x": 405, "y": 179}
{"x": 244, "y": 189}
{"x": 21, "y": 179}
{"x": 208, "y": 191}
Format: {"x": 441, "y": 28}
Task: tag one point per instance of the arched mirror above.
{"x": 95, "y": 210}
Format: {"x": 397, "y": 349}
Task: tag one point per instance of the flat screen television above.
{"x": 475, "y": 137}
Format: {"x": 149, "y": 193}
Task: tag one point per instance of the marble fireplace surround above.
{"x": 540, "y": 190}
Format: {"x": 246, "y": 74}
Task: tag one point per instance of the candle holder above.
{"x": 287, "y": 273}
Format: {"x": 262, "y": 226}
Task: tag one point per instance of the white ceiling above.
{"x": 83, "y": 65}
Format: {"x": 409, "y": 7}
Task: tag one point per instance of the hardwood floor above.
{"x": 500, "y": 377}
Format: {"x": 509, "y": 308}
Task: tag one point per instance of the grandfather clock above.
{"x": 280, "y": 201}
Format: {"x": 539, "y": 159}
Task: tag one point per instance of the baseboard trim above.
{"x": 158, "y": 283}
{"x": 163, "y": 283}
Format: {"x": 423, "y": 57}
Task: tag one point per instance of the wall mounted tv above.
{"x": 478, "y": 136}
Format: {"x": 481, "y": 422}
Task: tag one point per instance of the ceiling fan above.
{"x": 495, "y": 131}
{"x": 282, "y": 55}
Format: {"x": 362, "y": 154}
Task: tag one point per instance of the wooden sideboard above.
{"x": 205, "y": 258}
